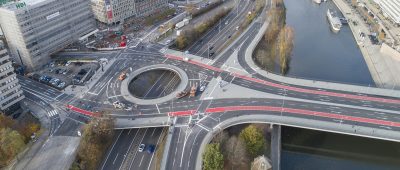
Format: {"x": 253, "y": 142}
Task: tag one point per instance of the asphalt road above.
{"x": 124, "y": 152}
{"x": 220, "y": 34}
{"x": 321, "y": 105}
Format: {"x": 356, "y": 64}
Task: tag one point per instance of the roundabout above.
{"x": 154, "y": 84}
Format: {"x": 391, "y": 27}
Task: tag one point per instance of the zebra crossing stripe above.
{"x": 52, "y": 113}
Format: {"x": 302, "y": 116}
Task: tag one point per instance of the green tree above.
{"x": 213, "y": 158}
{"x": 254, "y": 140}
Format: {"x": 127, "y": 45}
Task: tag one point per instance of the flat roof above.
{"x": 20, "y": 4}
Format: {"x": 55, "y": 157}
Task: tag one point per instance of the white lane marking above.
{"x": 141, "y": 160}
{"x": 191, "y": 149}
{"x": 130, "y": 166}
{"x": 203, "y": 127}
{"x": 155, "y": 148}
{"x": 129, "y": 148}
{"x": 158, "y": 109}
{"x": 108, "y": 155}
{"x": 115, "y": 158}
{"x": 152, "y": 133}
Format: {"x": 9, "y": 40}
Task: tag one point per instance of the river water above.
{"x": 316, "y": 150}
{"x": 319, "y": 53}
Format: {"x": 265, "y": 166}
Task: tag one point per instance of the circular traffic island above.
{"x": 154, "y": 84}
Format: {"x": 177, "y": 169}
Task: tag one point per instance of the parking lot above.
{"x": 61, "y": 73}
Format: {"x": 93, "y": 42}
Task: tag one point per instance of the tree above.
{"x": 181, "y": 41}
{"x": 254, "y": 140}
{"x": 221, "y": 137}
{"x": 6, "y": 122}
{"x": 236, "y": 153}
{"x": 285, "y": 47}
{"x": 95, "y": 139}
{"x": 11, "y": 143}
{"x": 213, "y": 158}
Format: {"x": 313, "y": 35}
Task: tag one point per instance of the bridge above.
{"x": 250, "y": 95}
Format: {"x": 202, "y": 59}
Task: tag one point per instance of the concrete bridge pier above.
{"x": 276, "y": 146}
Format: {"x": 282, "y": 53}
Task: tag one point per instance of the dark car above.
{"x": 211, "y": 54}
{"x": 151, "y": 148}
{"x": 211, "y": 48}
{"x": 15, "y": 116}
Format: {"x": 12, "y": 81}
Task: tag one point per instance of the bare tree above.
{"x": 236, "y": 153}
{"x": 285, "y": 47}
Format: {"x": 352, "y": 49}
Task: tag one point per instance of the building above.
{"x": 35, "y": 29}
{"x": 117, "y": 11}
{"x": 391, "y": 9}
{"x": 10, "y": 90}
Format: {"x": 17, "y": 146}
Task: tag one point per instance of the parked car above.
{"x": 68, "y": 63}
{"x": 61, "y": 85}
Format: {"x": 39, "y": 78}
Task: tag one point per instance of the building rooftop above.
{"x": 18, "y": 4}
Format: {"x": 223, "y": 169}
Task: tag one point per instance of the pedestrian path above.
{"x": 52, "y": 113}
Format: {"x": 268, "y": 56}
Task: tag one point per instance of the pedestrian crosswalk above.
{"x": 52, "y": 113}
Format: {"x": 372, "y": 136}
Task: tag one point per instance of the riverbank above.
{"x": 383, "y": 68}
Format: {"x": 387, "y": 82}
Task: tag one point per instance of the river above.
{"x": 316, "y": 150}
{"x": 319, "y": 53}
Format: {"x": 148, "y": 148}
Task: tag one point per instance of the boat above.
{"x": 317, "y": 1}
{"x": 334, "y": 21}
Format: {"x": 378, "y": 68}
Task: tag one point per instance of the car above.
{"x": 68, "y": 63}
{"x": 211, "y": 48}
{"x": 61, "y": 85}
{"x": 202, "y": 88}
{"x": 118, "y": 105}
{"x": 141, "y": 147}
{"x": 151, "y": 148}
{"x": 211, "y": 54}
{"x": 167, "y": 42}
{"x": 15, "y": 116}
{"x": 58, "y": 71}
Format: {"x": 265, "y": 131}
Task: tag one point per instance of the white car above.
{"x": 202, "y": 88}
{"x": 68, "y": 63}
{"x": 141, "y": 147}
{"x": 118, "y": 105}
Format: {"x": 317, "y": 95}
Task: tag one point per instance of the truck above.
{"x": 193, "y": 91}
{"x": 184, "y": 22}
{"x": 179, "y": 25}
